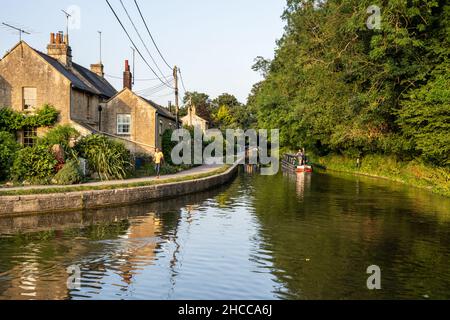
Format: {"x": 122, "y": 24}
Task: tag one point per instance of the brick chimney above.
{"x": 127, "y": 77}
{"x": 98, "y": 68}
{"x": 59, "y": 48}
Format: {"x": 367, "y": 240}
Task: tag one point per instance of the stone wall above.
{"x": 142, "y": 121}
{"x": 30, "y": 204}
{"x": 23, "y": 67}
{"x": 145, "y": 133}
{"x": 85, "y": 107}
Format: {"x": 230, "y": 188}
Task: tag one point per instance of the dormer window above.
{"x": 29, "y": 98}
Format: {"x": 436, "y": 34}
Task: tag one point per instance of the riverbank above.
{"x": 412, "y": 173}
{"x": 112, "y": 193}
{"x": 194, "y": 173}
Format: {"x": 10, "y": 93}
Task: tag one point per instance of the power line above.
{"x": 134, "y": 45}
{"x": 151, "y": 36}
{"x": 140, "y": 37}
{"x": 182, "y": 81}
{"x": 150, "y": 79}
{"x": 152, "y": 93}
{"x": 164, "y": 95}
{"x": 158, "y": 97}
{"x": 153, "y": 90}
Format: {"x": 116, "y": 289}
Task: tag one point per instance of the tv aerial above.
{"x": 20, "y": 30}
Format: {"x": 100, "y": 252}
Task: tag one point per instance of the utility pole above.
{"x": 177, "y": 102}
{"x": 134, "y": 64}
{"x": 17, "y": 29}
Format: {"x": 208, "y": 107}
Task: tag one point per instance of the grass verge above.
{"x": 414, "y": 173}
{"x": 112, "y": 186}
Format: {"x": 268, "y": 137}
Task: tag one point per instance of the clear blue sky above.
{"x": 213, "y": 42}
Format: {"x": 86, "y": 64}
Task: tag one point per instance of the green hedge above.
{"x": 35, "y": 165}
{"x": 8, "y": 151}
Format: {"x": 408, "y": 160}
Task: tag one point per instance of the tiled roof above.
{"x": 82, "y": 78}
{"x": 161, "y": 110}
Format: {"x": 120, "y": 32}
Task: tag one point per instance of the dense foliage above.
{"x": 35, "y": 165}
{"x": 12, "y": 121}
{"x": 167, "y": 146}
{"x": 110, "y": 159}
{"x": 335, "y": 86}
{"x": 223, "y": 112}
{"x": 69, "y": 174}
{"x": 8, "y": 150}
{"x": 64, "y": 136}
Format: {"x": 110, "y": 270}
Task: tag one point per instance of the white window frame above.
{"x": 29, "y": 103}
{"x": 123, "y": 119}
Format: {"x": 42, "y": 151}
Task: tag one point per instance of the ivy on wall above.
{"x": 11, "y": 121}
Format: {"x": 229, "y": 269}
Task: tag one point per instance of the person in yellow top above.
{"x": 159, "y": 160}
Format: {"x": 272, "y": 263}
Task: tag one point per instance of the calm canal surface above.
{"x": 282, "y": 237}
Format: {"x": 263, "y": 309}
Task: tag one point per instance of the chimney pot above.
{"x": 127, "y": 77}
{"x": 59, "y": 49}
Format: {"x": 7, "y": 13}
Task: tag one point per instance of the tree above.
{"x": 425, "y": 118}
{"x": 336, "y": 86}
{"x": 230, "y": 113}
{"x": 201, "y": 102}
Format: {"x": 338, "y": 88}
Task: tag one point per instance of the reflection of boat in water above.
{"x": 303, "y": 183}
{"x": 304, "y": 169}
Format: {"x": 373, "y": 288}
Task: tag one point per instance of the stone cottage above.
{"x": 139, "y": 122}
{"x": 30, "y": 78}
{"x": 85, "y": 99}
{"x": 193, "y": 120}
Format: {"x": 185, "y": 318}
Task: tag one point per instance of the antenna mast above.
{"x": 68, "y": 16}
{"x": 100, "y": 34}
{"x": 17, "y": 29}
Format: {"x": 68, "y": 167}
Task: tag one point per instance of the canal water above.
{"x": 281, "y": 237}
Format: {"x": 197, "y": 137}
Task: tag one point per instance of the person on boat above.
{"x": 159, "y": 159}
{"x": 300, "y": 156}
{"x": 305, "y": 158}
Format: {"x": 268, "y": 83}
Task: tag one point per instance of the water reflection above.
{"x": 284, "y": 237}
{"x": 114, "y": 242}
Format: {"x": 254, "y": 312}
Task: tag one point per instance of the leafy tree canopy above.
{"x": 337, "y": 86}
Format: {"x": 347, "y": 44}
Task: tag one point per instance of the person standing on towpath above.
{"x": 159, "y": 159}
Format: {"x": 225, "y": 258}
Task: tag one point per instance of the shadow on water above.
{"x": 325, "y": 230}
{"x": 261, "y": 237}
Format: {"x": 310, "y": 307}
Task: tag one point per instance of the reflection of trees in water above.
{"x": 324, "y": 237}
{"x": 123, "y": 240}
